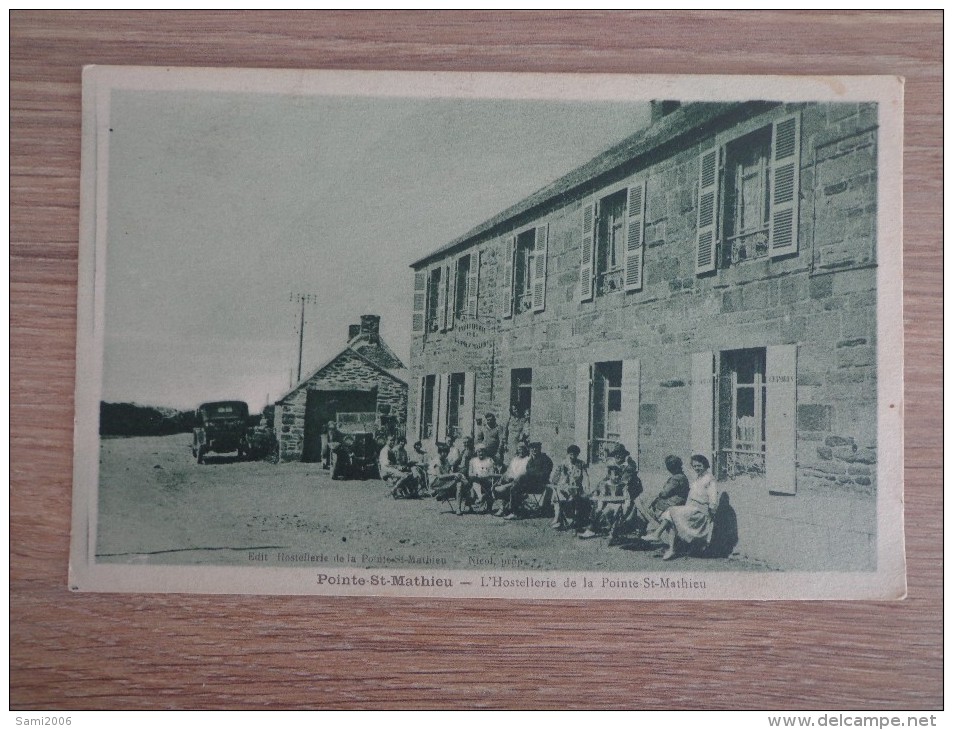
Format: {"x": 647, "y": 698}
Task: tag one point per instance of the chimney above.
{"x": 353, "y": 330}
{"x": 371, "y": 327}
{"x": 663, "y": 108}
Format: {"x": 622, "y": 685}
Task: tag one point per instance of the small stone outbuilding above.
{"x": 364, "y": 383}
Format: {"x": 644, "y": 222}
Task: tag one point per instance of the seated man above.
{"x": 621, "y": 481}
{"x": 478, "y": 487}
{"x": 569, "y": 484}
{"x": 535, "y": 480}
{"x": 443, "y": 480}
{"x": 400, "y": 453}
{"x": 460, "y": 455}
{"x": 516, "y": 469}
{"x": 419, "y": 465}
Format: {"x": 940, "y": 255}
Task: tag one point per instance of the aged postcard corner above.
{"x": 477, "y": 335}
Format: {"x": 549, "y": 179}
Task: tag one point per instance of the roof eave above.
{"x": 633, "y": 147}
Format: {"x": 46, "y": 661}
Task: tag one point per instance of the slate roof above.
{"x": 358, "y": 346}
{"x": 689, "y": 119}
{"x": 378, "y": 353}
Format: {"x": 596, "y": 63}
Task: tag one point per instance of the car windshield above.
{"x": 224, "y": 410}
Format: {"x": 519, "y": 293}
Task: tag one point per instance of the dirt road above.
{"x": 157, "y": 506}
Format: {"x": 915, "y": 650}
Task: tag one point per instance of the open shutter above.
{"x": 539, "y": 268}
{"x": 703, "y": 395}
{"x": 468, "y": 411}
{"x": 781, "y": 436}
{"x": 452, "y": 269}
{"x": 418, "y": 412}
{"x": 631, "y": 402}
{"x": 473, "y": 286}
{"x": 726, "y": 419}
{"x": 634, "y": 238}
{"x": 420, "y": 301}
{"x": 706, "y": 238}
{"x": 785, "y": 185}
{"x": 588, "y": 252}
{"x": 440, "y": 405}
{"x": 444, "y": 296}
{"x": 506, "y": 285}
{"x": 583, "y": 401}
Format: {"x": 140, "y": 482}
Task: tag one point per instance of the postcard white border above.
{"x": 887, "y": 582}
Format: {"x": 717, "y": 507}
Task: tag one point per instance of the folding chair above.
{"x": 446, "y": 493}
{"x": 537, "y": 503}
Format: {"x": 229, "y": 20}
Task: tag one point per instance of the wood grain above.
{"x": 141, "y": 651}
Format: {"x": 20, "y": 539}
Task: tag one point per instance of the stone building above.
{"x": 360, "y": 387}
{"x": 706, "y": 286}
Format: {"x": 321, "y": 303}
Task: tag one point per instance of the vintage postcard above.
{"x": 490, "y": 335}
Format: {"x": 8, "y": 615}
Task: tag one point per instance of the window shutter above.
{"x": 779, "y": 459}
{"x": 539, "y": 268}
{"x": 723, "y": 407}
{"x": 452, "y": 268}
{"x": 785, "y": 185}
{"x": 418, "y": 413}
{"x": 587, "y": 256}
{"x": 506, "y": 286}
{"x": 420, "y": 301}
{"x": 440, "y": 405}
{"x": 473, "y": 285}
{"x": 703, "y": 395}
{"x": 635, "y": 238}
{"x": 631, "y": 402}
{"x": 706, "y": 238}
{"x": 583, "y": 394}
{"x": 443, "y": 296}
{"x": 468, "y": 414}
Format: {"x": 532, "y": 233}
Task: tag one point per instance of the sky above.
{"x": 222, "y": 208}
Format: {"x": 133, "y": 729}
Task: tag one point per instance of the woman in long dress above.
{"x": 695, "y": 519}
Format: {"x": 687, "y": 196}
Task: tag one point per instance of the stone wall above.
{"x": 823, "y": 300}
{"x": 346, "y": 370}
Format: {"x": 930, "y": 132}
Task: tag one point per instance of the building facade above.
{"x": 361, "y": 387}
{"x": 706, "y": 286}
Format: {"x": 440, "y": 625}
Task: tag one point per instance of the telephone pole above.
{"x": 303, "y": 299}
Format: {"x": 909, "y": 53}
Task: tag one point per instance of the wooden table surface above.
{"x": 180, "y": 651}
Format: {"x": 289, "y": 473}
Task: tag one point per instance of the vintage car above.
{"x": 221, "y": 429}
{"x": 355, "y": 452}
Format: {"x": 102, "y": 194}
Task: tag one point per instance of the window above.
{"x": 523, "y": 270}
{"x": 461, "y": 288}
{"x": 747, "y": 200}
{"x": 742, "y": 422}
{"x": 608, "y": 401}
{"x": 521, "y": 389}
{"x": 434, "y": 291}
{"x": 606, "y": 408}
{"x": 610, "y": 244}
{"x": 748, "y": 196}
{"x": 743, "y": 414}
{"x": 456, "y": 398}
{"x": 523, "y": 287}
{"x": 426, "y": 415}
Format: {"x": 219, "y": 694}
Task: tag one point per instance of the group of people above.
{"x": 682, "y": 514}
{"x": 473, "y": 477}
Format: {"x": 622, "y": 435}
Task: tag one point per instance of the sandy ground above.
{"x": 157, "y": 506}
